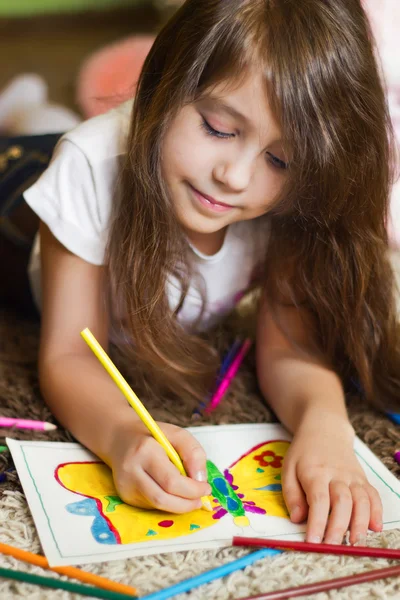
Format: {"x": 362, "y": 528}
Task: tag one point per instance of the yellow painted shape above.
{"x": 241, "y": 521}
{"x": 246, "y": 477}
{"x": 94, "y": 480}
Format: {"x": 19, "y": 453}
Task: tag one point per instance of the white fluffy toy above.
{"x": 25, "y": 109}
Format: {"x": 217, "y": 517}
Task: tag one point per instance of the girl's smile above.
{"x": 210, "y": 203}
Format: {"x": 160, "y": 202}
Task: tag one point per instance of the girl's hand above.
{"x": 145, "y": 477}
{"x": 322, "y": 479}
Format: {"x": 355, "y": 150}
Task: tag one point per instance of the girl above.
{"x": 259, "y": 138}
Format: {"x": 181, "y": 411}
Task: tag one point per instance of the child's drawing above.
{"x": 250, "y": 485}
{"x": 81, "y": 519}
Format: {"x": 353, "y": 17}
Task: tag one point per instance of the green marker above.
{"x": 227, "y": 497}
{"x": 3, "y": 448}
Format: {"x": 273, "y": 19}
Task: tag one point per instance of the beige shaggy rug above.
{"x": 19, "y": 395}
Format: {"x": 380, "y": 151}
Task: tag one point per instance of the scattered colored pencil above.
{"x": 228, "y": 358}
{"x": 229, "y": 375}
{"x": 73, "y": 572}
{"x": 59, "y": 584}
{"x": 137, "y": 405}
{"x": 395, "y": 417}
{"x": 330, "y": 584}
{"x": 203, "y": 578}
{"x": 388, "y": 553}
{"x": 226, "y": 362}
{"x": 27, "y": 424}
{"x": 3, "y": 448}
{"x": 397, "y": 457}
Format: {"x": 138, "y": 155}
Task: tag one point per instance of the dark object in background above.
{"x": 22, "y": 161}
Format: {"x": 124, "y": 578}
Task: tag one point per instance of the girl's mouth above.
{"x": 210, "y": 202}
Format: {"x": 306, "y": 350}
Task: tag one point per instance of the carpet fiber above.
{"x": 19, "y": 395}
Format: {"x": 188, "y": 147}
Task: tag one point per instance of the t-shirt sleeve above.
{"x": 65, "y": 199}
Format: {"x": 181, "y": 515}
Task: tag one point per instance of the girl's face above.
{"x": 223, "y": 161}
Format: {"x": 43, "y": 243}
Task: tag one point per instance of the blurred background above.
{"x": 68, "y": 60}
{"x": 54, "y": 37}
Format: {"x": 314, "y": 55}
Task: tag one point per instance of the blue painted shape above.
{"x": 231, "y": 504}
{"x": 86, "y": 507}
{"x": 259, "y": 470}
{"x": 151, "y": 532}
{"x": 272, "y": 487}
{"x": 100, "y": 528}
{"x": 193, "y": 526}
{"x": 221, "y": 485}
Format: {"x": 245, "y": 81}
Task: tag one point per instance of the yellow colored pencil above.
{"x": 137, "y": 405}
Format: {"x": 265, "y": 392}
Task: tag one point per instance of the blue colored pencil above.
{"x": 395, "y": 417}
{"x": 230, "y": 355}
{"x": 193, "y": 582}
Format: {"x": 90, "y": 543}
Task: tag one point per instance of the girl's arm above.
{"x": 87, "y": 402}
{"x": 321, "y": 472}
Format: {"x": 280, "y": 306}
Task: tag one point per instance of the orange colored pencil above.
{"x": 73, "y": 572}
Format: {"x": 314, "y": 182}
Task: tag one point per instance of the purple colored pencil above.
{"x": 230, "y": 374}
{"x": 397, "y": 457}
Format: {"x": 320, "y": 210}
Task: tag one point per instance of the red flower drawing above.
{"x": 269, "y": 459}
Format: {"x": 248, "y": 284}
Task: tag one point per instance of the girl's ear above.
{"x": 109, "y": 76}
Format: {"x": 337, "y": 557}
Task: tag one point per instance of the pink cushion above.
{"x": 109, "y": 76}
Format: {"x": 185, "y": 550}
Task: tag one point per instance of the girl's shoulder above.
{"x": 75, "y": 194}
{"x": 103, "y": 138}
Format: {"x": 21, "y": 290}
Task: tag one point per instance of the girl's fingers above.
{"x": 168, "y": 478}
{"x": 361, "y": 514}
{"x": 153, "y": 496}
{"x": 294, "y": 496}
{"x": 376, "y": 514}
{"x": 318, "y": 499}
{"x": 341, "y": 510}
{"x": 193, "y": 457}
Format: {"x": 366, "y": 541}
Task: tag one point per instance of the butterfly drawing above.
{"x": 252, "y": 484}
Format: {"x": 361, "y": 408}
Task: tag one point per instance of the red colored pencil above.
{"x": 330, "y": 584}
{"x": 388, "y": 553}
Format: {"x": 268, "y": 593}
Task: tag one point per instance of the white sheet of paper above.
{"x": 68, "y": 537}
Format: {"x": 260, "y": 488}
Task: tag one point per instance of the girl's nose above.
{"x": 234, "y": 174}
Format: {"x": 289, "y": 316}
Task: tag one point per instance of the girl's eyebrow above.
{"x": 227, "y": 108}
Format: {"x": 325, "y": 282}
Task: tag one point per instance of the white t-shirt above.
{"x": 74, "y": 198}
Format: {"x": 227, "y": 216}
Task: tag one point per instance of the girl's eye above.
{"x": 277, "y": 162}
{"x": 214, "y": 132}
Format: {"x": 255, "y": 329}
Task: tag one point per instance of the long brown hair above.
{"x": 329, "y": 224}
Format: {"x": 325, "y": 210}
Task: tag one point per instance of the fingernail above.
{"x": 314, "y": 539}
{"x": 201, "y": 476}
